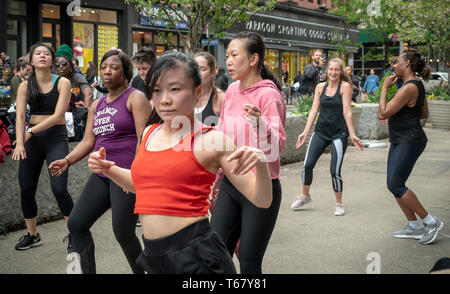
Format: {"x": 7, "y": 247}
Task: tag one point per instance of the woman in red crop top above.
{"x": 172, "y": 192}
{"x": 45, "y": 139}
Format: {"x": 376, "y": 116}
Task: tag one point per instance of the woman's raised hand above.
{"x": 97, "y": 161}
{"x": 246, "y": 159}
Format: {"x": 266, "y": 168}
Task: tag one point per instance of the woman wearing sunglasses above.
{"x": 82, "y": 95}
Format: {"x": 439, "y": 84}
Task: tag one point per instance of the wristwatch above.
{"x": 29, "y": 131}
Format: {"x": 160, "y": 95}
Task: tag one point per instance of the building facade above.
{"x": 90, "y": 27}
{"x": 291, "y": 34}
{"x": 291, "y": 31}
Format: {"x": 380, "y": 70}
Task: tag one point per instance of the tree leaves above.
{"x": 202, "y": 17}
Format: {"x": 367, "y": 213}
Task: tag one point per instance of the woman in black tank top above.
{"x": 45, "y": 138}
{"x": 209, "y": 106}
{"x": 408, "y": 141}
{"x": 334, "y": 125}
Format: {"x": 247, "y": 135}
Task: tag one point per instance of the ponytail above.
{"x": 417, "y": 63}
{"x": 268, "y": 75}
{"x": 254, "y": 43}
{"x": 33, "y": 89}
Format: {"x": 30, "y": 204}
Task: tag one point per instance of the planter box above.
{"x": 293, "y": 127}
{"x": 439, "y": 114}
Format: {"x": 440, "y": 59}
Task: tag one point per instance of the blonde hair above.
{"x": 344, "y": 76}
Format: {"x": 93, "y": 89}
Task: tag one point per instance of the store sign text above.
{"x": 294, "y": 31}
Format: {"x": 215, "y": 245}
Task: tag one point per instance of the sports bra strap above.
{"x": 54, "y": 78}
{"x": 150, "y": 131}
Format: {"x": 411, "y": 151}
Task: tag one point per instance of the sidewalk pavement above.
{"x": 311, "y": 241}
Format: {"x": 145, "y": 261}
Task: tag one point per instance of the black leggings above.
{"x": 401, "y": 160}
{"x": 50, "y": 145}
{"x": 100, "y": 194}
{"x": 234, "y": 217}
{"x": 316, "y": 147}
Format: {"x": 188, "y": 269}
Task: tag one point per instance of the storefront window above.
{"x": 96, "y": 15}
{"x": 142, "y": 39}
{"x": 272, "y": 61}
{"x": 50, "y": 11}
{"x": 108, "y": 36}
{"x": 17, "y": 7}
{"x": 84, "y": 34}
{"x": 303, "y": 61}
{"x": 83, "y": 44}
{"x": 289, "y": 65}
{"x": 47, "y": 30}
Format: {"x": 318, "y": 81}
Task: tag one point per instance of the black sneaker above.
{"x": 69, "y": 243}
{"x": 138, "y": 223}
{"x": 28, "y": 241}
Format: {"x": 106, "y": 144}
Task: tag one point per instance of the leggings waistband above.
{"x": 180, "y": 239}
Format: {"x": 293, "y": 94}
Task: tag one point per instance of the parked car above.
{"x": 435, "y": 80}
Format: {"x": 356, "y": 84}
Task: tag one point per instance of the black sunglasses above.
{"x": 64, "y": 63}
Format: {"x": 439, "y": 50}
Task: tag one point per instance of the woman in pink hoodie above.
{"x": 253, "y": 114}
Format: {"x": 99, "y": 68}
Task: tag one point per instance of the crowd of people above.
{"x": 161, "y": 143}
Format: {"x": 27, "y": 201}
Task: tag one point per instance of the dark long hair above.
{"x": 417, "y": 63}
{"x": 91, "y": 70}
{"x": 254, "y": 43}
{"x": 169, "y": 61}
{"x": 33, "y": 89}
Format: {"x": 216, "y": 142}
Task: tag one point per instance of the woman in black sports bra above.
{"x": 45, "y": 138}
{"x": 408, "y": 141}
{"x": 209, "y": 105}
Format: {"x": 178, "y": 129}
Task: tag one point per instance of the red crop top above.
{"x": 170, "y": 182}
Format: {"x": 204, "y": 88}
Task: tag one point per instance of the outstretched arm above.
{"x": 98, "y": 164}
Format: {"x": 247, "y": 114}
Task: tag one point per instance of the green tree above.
{"x": 421, "y": 22}
{"x": 203, "y": 18}
{"x": 350, "y": 13}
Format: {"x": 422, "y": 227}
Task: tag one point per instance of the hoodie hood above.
{"x": 257, "y": 86}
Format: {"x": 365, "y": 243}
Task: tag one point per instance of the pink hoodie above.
{"x": 270, "y": 137}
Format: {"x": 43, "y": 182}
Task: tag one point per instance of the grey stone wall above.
{"x": 369, "y": 126}
{"x": 11, "y": 216}
{"x": 294, "y": 126}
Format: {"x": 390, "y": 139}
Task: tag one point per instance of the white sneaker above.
{"x": 339, "y": 209}
{"x": 301, "y": 200}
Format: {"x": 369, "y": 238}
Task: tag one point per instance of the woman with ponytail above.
{"x": 45, "y": 138}
{"x": 334, "y": 125}
{"x": 253, "y": 114}
{"x": 408, "y": 141}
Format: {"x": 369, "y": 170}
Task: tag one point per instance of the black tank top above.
{"x": 45, "y": 104}
{"x": 207, "y": 116}
{"x": 405, "y": 126}
{"x": 331, "y": 123}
